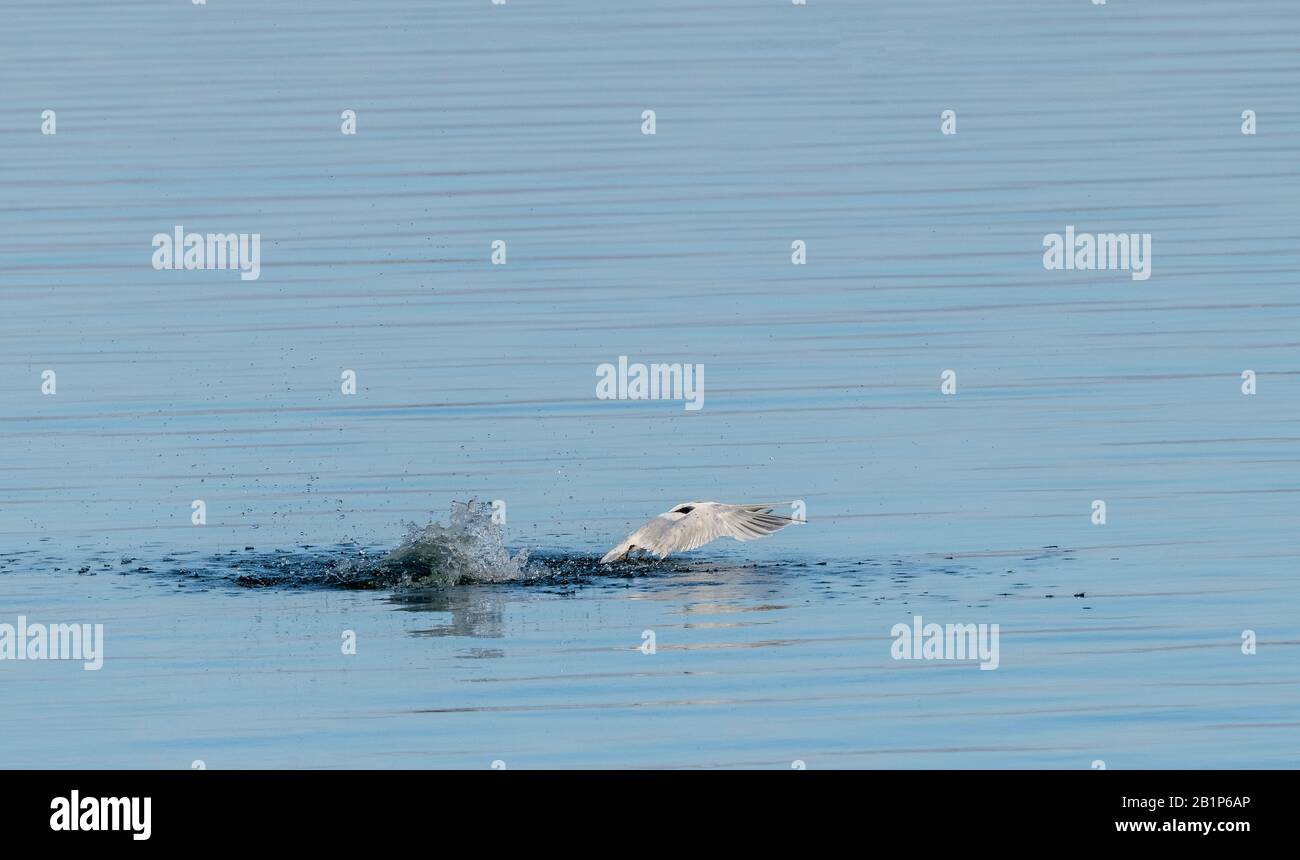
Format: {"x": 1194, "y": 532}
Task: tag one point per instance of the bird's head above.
{"x": 681, "y": 510}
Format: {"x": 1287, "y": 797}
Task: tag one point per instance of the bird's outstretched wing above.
{"x": 710, "y": 521}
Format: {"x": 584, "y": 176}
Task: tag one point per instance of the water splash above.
{"x": 470, "y": 548}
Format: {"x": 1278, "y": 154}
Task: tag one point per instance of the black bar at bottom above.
{"x": 330, "y": 809}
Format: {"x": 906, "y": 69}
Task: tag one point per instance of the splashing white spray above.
{"x": 470, "y": 548}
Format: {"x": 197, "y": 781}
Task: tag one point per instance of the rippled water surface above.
{"x": 1119, "y": 642}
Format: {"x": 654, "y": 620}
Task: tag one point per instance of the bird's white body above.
{"x": 693, "y": 524}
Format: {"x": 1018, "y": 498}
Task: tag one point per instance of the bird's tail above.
{"x": 766, "y": 509}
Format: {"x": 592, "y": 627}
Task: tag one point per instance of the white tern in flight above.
{"x": 693, "y": 524}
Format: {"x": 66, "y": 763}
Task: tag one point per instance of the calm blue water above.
{"x": 774, "y": 123}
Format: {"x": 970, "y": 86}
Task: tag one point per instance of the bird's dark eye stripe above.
{"x": 684, "y": 509}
